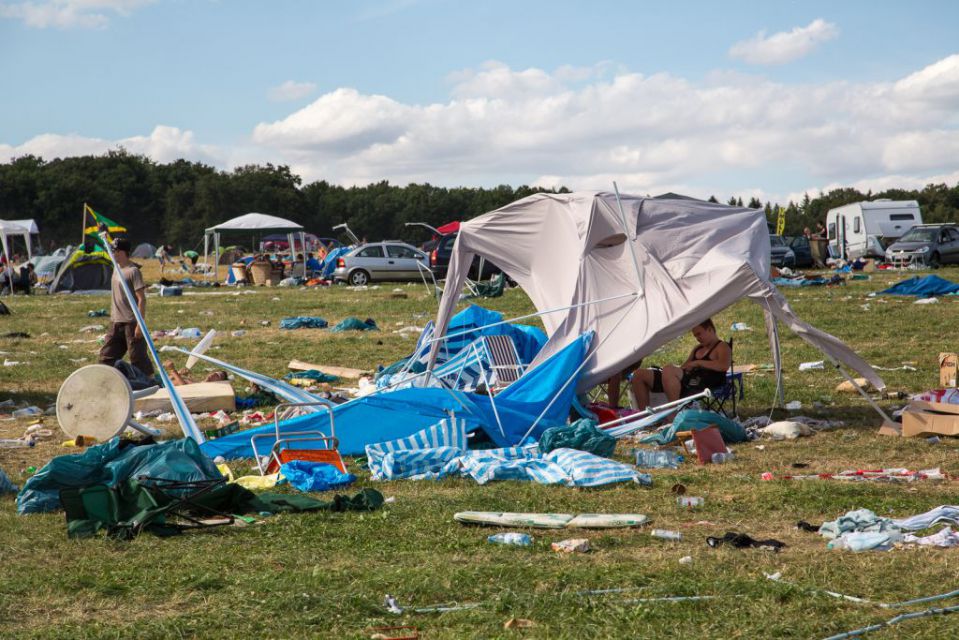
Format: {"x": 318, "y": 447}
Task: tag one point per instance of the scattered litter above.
{"x": 926, "y": 301}
{"x": 744, "y": 541}
{"x": 518, "y": 623}
{"x": 795, "y": 405}
{"x": 239, "y": 333}
{"x": 686, "y": 560}
{"x": 847, "y": 386}
{"x": 515, "y": 539}
{"x": 689, "y": 501}
{"x": 28, "y": 412}
{"x": 866, "y": 475}
{"x": 786, "y": 430}
{"x": 740, "y": 326}
{"x": 264, "y": 323}
{"x": 650, "y": 459}
{"x": 303, "y": 322}
{"x": 810, "y": 366}
{"x": 573, "y": 545}
{"x": 722, "y": 457}
{"x": 552, "y": 520}
{"x": 666, "y": 534}
{"x": 97, "y": 313}
{"x": 12, "y": 363}
{"x": 355, "y": 324}
{"x": 92, "y": 328}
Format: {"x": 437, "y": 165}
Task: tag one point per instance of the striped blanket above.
{"x": 440, "y": 452}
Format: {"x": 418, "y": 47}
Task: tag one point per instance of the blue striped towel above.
{"x": 440, "y": 451}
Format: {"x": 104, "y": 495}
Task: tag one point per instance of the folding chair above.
{"x": 125, "y": 510}
{"x": 504, "y": 360}
{"x": 281, "y": 454}
{"x": 730, "y": 392}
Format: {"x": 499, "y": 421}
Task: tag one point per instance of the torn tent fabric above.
{"x": 397, "y": 414}
{"x": 582, "y": 435}
{"x": 355, "y": 324}
{"x": 439, "y": 452}
{"x": 111, "y": 463}
{"x": 923, "y": 287}
{"x": 303, "y": 322}
{"x": 694, "y": 420}
{"x": 329, "y": 262}
{"x": 304, "y": 475}
{"x": 466, "y": 330}
{"x": 638, "y": 271}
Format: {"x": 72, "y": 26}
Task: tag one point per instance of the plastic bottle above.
{"x": 649, "y": 459}
{"x": 666, "y": 534}
{"x": 720, "y": 457}
{"x": 517, "y": 539}
{"x": 689, "y": 501}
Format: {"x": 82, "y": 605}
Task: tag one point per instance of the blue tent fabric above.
{"x": 398, "y": 414}
{"x": 694, "y": 420}
{"x": 305, "y": 475}
{"x": 303, "y": 322}
{"x": 230, "y": 278}
{"x": 924, "y": 287}
{"x": 355, "y": 324}
{"x": 111, "y": 463}
{"x": 6, "y": 486}
{"x": 329, "y": 262}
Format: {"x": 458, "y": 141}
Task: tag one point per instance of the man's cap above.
{"x": 121, "y": 244}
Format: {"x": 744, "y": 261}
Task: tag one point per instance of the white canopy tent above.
{"x": 7, "y": 229}
{"x": 22, "y": 228}
{"x": 639, "y": 275}
{"x": 257, "y": 223}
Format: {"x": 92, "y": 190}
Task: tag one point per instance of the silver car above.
{"x": 380, "y": 261}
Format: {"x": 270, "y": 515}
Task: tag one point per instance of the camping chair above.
{"x": 163, "y": 506}
{"x": 504, "y": 360}
{"x": 729, "y": 391}
{"x": 281, "y": 454}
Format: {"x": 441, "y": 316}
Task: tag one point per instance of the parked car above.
{"x": 930, "y": 244}
{"x": 800, "y": 247}
{"x": 440, "y": 260}
{"x": 380, "y": 261}
{"x": 780, "y": 254}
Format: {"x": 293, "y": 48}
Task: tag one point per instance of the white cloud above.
{"x": 164, "y": 144}
{"x": 69, "y": 14}
{"x": 291, "y": 90}
{"x": 784, "y": 46}
{"x": 729, "y": 133}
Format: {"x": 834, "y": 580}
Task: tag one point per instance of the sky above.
{"x": 746, "y": 98}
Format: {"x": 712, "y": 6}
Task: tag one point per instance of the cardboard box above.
{"x": 948, "y": 369}
{"x": 930, "y": 418}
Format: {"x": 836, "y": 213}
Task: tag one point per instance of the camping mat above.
{"x": 552, "y": 520}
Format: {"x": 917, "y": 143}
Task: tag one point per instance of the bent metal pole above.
{"x": 190, "y": 430}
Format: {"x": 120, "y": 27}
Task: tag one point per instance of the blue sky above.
{"x": 735, "y": 97}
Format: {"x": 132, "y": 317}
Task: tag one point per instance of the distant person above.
{"x": 821, "y": 231}
{"x": 312, "y": 264}
{"x": 192, "y": 256}
{"x": 27, "y": 279}
{"x": 705, "y": 368}
{"x": 163, "y": 255}
{"x": 124, "y": 335}
{"x": 807, "y": 233}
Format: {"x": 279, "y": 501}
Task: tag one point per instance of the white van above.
{"x": 867, "y": 228}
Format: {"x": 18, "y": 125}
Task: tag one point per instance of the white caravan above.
{"x": 867, "y": 228}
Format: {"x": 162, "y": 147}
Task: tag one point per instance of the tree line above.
{"x": 173, "y": 203}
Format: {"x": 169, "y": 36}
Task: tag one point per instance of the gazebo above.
{"x": 257, "y": 223}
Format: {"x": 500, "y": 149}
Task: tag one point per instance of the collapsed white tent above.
{"x": 257, "y": 223}
{"x": 639, "y": 276}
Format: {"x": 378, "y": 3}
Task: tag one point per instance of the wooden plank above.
{"x": 342, "y": 372}
{"x": 199, "y": 398}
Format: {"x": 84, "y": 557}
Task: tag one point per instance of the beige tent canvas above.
{"x": 639, "y": 275}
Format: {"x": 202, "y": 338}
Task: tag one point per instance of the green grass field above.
{"x": 325, "y": 575}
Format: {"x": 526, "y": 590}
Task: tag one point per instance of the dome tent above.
{"x": 144, "y": 250}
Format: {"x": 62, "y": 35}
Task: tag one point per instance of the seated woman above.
{"x": 705, "y": 368}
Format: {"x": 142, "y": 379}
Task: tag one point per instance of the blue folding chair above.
{"x": 731, "y": 392}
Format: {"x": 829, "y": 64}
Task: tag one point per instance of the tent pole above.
{"x": 574, "y": 375}
{"x": 861, "y": 391}
{"x": 629, "y": 239}
{"x": 529, "y": 315}
{"x": 216, "y": 256}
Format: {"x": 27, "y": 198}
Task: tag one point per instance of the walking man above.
{"x": 124, "y": 335}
